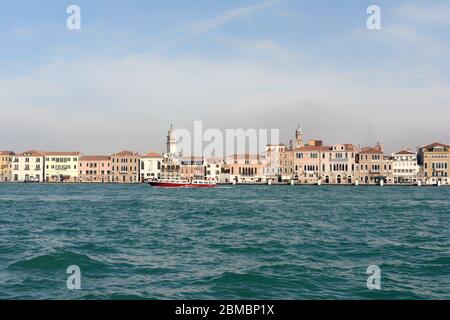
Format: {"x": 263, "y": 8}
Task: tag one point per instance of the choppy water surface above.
{"x": 256, "y": 242}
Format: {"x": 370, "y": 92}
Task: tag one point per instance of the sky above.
{"x": 137, "y": 66}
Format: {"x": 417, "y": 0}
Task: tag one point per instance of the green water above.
{"x": 249, "y": 242}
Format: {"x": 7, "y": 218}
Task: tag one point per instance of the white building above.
{"x": 62, "y": 166}
{"x": 150, "y": 166}
{"x": 405, "y": 166}
{"x": 214, "y": 170}
{"x": 28, "y": 166}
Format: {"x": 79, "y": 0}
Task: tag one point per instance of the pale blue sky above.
{"x": 136, "y": 66}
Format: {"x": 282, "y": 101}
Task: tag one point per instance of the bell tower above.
{"x": 298, "y": 138}
{"x": 171, "y": 142}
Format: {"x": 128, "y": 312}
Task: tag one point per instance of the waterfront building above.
{"x": 61, "y": 166}
{"x": 214, "y": 169}
{"x": 95, "y": 169}
{"x": 435, "y": 162}
{"x": 6, "y": 158}
{"x": 338, "y": 164}
{"x": 28, "y": 166}
{"x": 374, "y": 166}
{"x": 406, "y": 168}
{"x": 150, "y": 166}
{"x": 125, "y": 167}
{"x": 192, "y": 168}
{"x": 170, "y": 167}
{"x": 287, "y": 164}
{"x": 245, "y": 168}
{"x": 308, "y": 161}
{"x": 279, "y": 162}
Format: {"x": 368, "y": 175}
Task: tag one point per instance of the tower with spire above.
{"x": 298, "y": 138}
{"x": 171, "y": 142}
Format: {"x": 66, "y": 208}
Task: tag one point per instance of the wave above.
{"x": 56, "y": 261}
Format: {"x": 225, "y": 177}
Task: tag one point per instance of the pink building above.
{"x": 95, "y": 169}
{"x": 245, "y": 168}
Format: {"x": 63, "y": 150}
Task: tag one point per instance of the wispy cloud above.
{"x": 228, "y": 16}
{"x": 189, "y": 30}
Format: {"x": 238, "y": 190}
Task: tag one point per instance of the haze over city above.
{"x": 135, "y": 67}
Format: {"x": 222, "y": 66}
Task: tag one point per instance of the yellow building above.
{"x": 5, "y": 165}
{"x": 62, "y": 166}
{"x": 435, "y": 162}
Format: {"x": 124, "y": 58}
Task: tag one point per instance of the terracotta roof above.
{"x": 435, "y": 144}
{"x": 152, "y": 155}
{"x": 6, "y": 153}
{"x": 30, "y": 153}
{"x": 125, "y": 153}
{"x": 61, "y": 153}
{"x": 371, "y": 150}
{"x": 95, "y": 158}
{"x": 406, "y": 151}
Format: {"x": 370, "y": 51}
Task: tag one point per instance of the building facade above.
{"x": 278, "y": 163}
{"x": 374, "y": 166}
{"x": 192, "y": 168}
{"x": 245, "y": 168}
{"x": 214, "y": 170}
{"x": 125, "y": 167}
{"x": 150, "y": 166}
{"x": 61, "y": 166}
{"x": 170, "y": 167}
{"x": 28, "y": 166}
{"x": 435, "y": 162}
{"x": 406, "y": 168}
{"x": 308, "y": 162}
{"x": 95, "y": 169}
{"x": 338, "y": 164}
{"x": 6, "y": 158}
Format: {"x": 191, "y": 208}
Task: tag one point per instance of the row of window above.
{"x": 61, "y": 159}
{"x": 439, "y": 165}
{"x": 158, "y": 165}
{"x": 94, "y": 172}
{"x": 94, "y": 164}
{"x": 124, "y": 168}
{"x": 315, "y": 155}
{"x": 124, "y": 160}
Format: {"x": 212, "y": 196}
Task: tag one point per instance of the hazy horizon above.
{"x": 136, "y": 67}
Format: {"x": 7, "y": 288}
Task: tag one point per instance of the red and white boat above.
{"x": 182, "y": 184}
